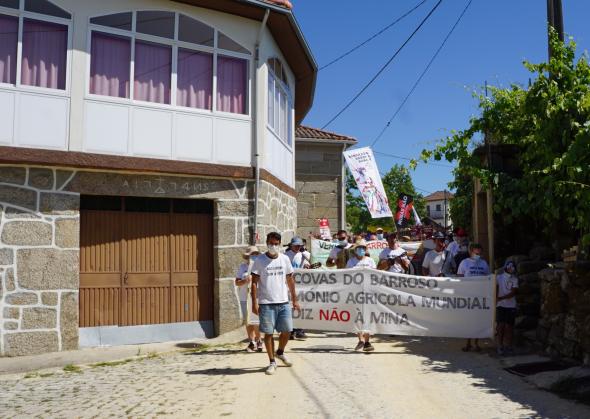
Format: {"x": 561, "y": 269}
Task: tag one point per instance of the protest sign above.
{"x": 363, "y": 167}
{"x": 353, "y": 300}
{"x": 320, "y": 249}
{"x": 324, "y": 225}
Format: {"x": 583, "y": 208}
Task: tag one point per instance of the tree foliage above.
{"x": 397, "y": 180}
{"x": 549, "y": 122}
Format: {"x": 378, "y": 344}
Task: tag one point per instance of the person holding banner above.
{"x": 272, "y": 282}
{"x": 339, "y": 255}
{"x": 360, "y": 260}
{"x": 298, "y": 261}
{"x": 243, "y": 281}
{"x": 394, "y": 258}
{"x": 507, "y": 287}
{"x": 438, "y": 261}
{"x": 472, "y": 267}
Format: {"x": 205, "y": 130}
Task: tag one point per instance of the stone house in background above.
{"x": 143, "y": 145}
{"x": 320, "y": 176}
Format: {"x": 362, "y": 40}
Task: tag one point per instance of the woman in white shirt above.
{"x": 360, "y": 260}
{"x": 243, "y": 281}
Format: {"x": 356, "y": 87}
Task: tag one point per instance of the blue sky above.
{"x": 490, "y": 43}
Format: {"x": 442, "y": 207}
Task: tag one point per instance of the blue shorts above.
{"x": 277, "y": 317}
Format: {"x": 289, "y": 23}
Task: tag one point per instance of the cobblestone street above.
{"x": 403, "y": 378}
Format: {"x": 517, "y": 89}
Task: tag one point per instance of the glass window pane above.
{"x": 110, "y": 62}
{"x": 232, "y": 84}
{"x": 8, "y": 44}
{"x": 13, "y": 4}
{"x": 153, "y": 69}
{"x": 195, "y": 79}
{"x": 45, "y": 48}
{"x": 225, "y": 42}
{"x": 118, "y": 20}
{"x": 277, "y": 107}
{"x": 156, "y": 23}
{"x": 191, "y": 30}
{"x": 284, "y": 116}
{"x": 271, "y": 100}
{"x": 46, "y": 8}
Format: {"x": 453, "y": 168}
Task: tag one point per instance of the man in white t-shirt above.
{"x": 507, "y": 287}
{"x": 337, "y": 258}
{"x": 393, "y": 258}
{"x": 437, "y": 262}
{"x": 474, "y": 265}
{"x": 243, "y": 280}
{"x": 357, "y": 261}
{"x": 272, "y": 283}
{"x": 298, "y": 261}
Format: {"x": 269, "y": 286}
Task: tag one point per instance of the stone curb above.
{"x": 23, "y": 364}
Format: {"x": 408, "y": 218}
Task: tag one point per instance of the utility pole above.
{"x": 445, "y": 211}
{"x": 555, "y": 19}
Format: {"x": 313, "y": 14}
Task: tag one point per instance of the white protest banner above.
{"x": 320, "y": 249}
{"x": 363, "y": 167}
{"x": 353, "y": 300}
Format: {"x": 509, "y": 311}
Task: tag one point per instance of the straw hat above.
{"x": 250, "y": 251}
{"x": 359, "y": 243}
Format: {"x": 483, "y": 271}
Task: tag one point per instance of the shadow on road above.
{"x": 225, "y": 371}
{"x": 443, "y": 355}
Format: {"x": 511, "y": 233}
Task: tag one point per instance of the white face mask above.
{"x": 274, "y": 249}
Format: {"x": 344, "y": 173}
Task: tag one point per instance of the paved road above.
{"x": 403, "y": 378}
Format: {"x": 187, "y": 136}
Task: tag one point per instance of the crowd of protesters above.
{"x": 266, "y": 280}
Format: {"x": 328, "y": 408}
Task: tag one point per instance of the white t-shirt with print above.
{"x": 506, "y": 283}
{"x": 471, "y": 267}
{"x": 434, "y": 261}
{"x": 385, "y": 252}
{"x": 272, "y": 287}
{"x": 242, "y": 289}
{"x": 365, "y": 262}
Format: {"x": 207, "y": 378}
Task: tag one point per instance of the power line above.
{"x": 382, "y": 69}
{"x": 399, "y": 108}
{"x": 353, "y": 49}
{"x": 409, "y": 159}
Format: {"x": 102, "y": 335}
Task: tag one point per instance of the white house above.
{"x": 438, "y": 207}
{"x": 143, "y": 145}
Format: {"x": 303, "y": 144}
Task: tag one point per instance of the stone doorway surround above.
{"x": 39, "y": 243}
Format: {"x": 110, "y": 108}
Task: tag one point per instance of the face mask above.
{"x": 273, "y": 249}
{"x": 379, "y": 236}
{"x": 457, "y": 240}
{"x": 463, "y": 249}
{"x": 476, "y": 257}
{"x": 360, "y": 252}
{"x": 342, "y": 242}
{"x": 510, "y": 268}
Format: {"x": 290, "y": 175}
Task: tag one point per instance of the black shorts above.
{"x": 505, "y": 315}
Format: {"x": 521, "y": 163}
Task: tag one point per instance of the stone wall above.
{"x": 564, "y": 326}
{"x": 318, "y": 172}
{"x": 39, "y": 244}
{"x": 39, "y": 233}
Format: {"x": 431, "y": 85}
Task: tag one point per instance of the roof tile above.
{"x": 318, "y": 134}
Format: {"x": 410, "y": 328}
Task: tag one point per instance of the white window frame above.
{"x": 175, "y": 44}
{"x": 276, "y": 81}
{"x": 21, "y": 14}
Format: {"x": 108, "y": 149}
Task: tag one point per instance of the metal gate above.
{"x": 145, "y": 261}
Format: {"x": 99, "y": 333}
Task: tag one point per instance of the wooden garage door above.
{"x": 145, "y": 261}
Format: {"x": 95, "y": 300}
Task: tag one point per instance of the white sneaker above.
{"x": 285, "y": 360}
{"x": 271, "y": 369}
